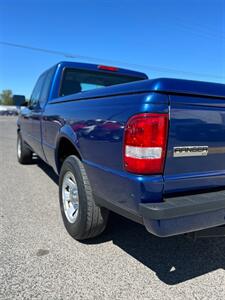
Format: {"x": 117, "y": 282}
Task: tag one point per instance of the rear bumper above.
{"x": 184, "y": 214}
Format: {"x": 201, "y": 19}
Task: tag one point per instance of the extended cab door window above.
{"x": 46, "y": 87}
{"x": 35, "y": 96}
{"x": 41, "y": 90}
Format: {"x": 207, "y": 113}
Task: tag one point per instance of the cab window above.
{"x": 76, "y": 81}
{"x": 46, "y": 87}
{"x": 35, "y": 96}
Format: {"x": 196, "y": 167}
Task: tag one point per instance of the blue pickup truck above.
{"x": 150, "y": 150}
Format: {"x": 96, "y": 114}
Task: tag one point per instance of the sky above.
{"x": 163, "y": 38}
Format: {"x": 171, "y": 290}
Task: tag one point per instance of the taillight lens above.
{"x": 145, "y": 143}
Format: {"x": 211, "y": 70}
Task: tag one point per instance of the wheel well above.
{"x": 65, "y": 149}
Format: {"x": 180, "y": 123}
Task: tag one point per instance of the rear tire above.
{"x": 24, "y": 154}
{"x": 82, "y": 218}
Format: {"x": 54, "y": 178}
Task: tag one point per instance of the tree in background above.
{"x": 6, "y": 97}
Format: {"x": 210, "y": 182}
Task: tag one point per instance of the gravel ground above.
{"x": 39, "y": 260}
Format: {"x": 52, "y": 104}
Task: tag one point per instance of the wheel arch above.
{"x": 65, "y": 147}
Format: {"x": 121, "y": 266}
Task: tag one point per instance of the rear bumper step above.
{"x": 184, "y": 206}
{"x": 184, "y": 214}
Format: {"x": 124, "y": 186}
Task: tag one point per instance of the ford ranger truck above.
{"x": 150, "y": 150}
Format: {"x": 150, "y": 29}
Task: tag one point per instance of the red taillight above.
{"x": 107, "y": 68}
{"x": 145, "y": 143}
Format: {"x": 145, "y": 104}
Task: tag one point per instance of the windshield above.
{"x": 75, "y": 81}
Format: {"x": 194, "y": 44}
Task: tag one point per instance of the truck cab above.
{"x": 63, "y": 79}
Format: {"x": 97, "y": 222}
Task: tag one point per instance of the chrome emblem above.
{"x": 190, "y": 151}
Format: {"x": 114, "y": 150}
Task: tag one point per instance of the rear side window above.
{"x": 35, "y": 96}
{"x": 41, "y": 90}
{"x": 76, "y": 81}
{"x": 46, "y": 87}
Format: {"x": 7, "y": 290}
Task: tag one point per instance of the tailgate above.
{"x": 196, "y": 144}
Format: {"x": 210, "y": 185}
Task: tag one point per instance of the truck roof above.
{"x": 101, "y": 67}
{"x": 159, "y": 85}
{"x": 163, "y": 85}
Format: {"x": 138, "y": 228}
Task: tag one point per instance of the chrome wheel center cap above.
{"x": 74, "y": 194}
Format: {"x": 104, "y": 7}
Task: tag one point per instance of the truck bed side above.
{"x": 96, "y": 128}
{"x": 94, "y": 122}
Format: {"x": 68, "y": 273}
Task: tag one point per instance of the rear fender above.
{"x": 66, "y": 132}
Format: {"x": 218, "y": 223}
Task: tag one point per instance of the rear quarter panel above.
{"x": 96, "y": 128}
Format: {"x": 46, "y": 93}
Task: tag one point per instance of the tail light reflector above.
{"x": 145, "y": 143}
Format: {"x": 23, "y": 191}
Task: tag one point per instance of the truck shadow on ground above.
{"x": 174, "y": 260}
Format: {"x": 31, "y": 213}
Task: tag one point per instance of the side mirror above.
{"x": 19, "y": 100}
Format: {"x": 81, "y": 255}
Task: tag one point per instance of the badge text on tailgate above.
{"x": 190, "y": 151}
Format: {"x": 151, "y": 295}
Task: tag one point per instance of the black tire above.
{"x": 24, "y": 155}
{"x": 90, "y": 219}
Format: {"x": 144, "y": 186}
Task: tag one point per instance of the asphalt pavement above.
{"x": 39, "y": 260}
